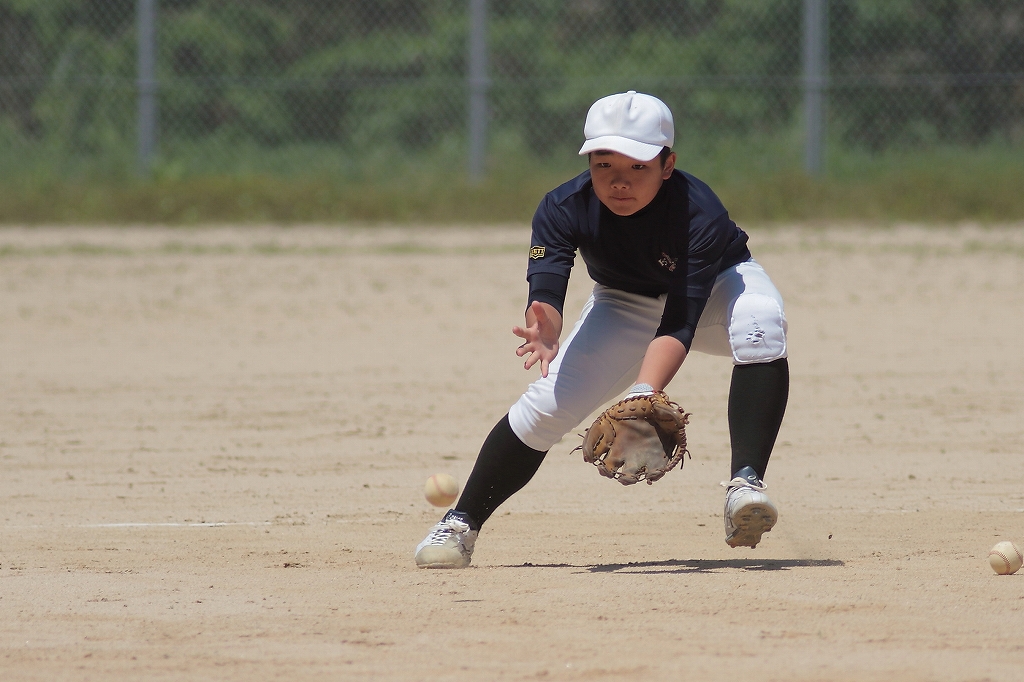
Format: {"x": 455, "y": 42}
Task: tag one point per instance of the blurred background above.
{"x": 187, "y": 111}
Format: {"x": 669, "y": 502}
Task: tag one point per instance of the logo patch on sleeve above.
{"x": 536, "y": 252}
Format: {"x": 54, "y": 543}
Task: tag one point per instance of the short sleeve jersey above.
{"x": 676, "y": 245}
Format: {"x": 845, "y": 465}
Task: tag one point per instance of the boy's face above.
{"x": 626, "y": 185}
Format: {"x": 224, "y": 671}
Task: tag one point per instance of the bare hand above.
{"x": 540, "y": 337}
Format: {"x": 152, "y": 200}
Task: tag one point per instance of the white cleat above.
{"x": 449, "y": 544}
{"x": 749, "y": 513}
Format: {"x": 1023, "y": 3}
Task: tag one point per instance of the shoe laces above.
{"x": 440, "y": 533}
{"x": 740, "y": 482}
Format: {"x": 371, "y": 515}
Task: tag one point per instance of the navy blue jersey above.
{"x": 676, "y": 245}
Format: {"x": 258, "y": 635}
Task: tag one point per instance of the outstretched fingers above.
{"x": 540, "y": 337}
{"x": 535, "y": 348}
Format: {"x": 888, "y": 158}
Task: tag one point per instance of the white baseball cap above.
{"x": 631, "y": 123}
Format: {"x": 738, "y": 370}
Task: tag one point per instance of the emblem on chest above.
{"x": 668, "y": 262}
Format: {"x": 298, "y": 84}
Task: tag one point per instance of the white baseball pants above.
{"x": 744, "y": 319}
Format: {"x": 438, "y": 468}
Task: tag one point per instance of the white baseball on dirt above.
{"x": 441, "y": 490}
{"x": 1005, "y": 558}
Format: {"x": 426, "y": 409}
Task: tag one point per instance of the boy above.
{"x": 673, "y": 275}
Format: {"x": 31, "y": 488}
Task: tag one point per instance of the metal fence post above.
{"x": 478, "y": 85}
{"x": 146, "y": 83}
{"x": 815, "y": 80}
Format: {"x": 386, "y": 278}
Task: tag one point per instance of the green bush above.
{"x": 291, "y": 110}
{"x": 944, "y": 185}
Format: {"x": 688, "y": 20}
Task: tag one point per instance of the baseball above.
{"x": 1005, "y": 558}
{"x": 442, "y": 489}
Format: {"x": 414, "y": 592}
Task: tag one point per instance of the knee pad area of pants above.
{"x": 758, "y": 329}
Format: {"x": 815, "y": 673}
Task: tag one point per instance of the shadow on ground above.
{"x": 694, "y": 565}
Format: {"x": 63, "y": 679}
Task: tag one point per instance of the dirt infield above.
{"x": 213, "y": 445}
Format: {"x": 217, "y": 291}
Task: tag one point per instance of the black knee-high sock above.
{"x": 757, "y": 403}
{"x": 505, "y": 464}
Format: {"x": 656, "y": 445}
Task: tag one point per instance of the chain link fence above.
{"x": 192, "y": 87}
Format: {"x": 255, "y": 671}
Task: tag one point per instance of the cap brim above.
{"x": 623, "y": 145}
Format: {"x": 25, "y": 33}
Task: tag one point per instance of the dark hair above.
{"x": 662, "y": 155}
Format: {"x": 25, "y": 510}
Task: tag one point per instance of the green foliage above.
{"x": 360, "y": 74}
{"x": 357, "y": 109}
{"x": 913, "y": 73}
{"x": 945, "y": 185}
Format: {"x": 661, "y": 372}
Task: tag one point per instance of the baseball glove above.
{"x": 639, "y": 438}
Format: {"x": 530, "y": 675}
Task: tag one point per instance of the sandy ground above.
{"x": 213, "y": 444}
